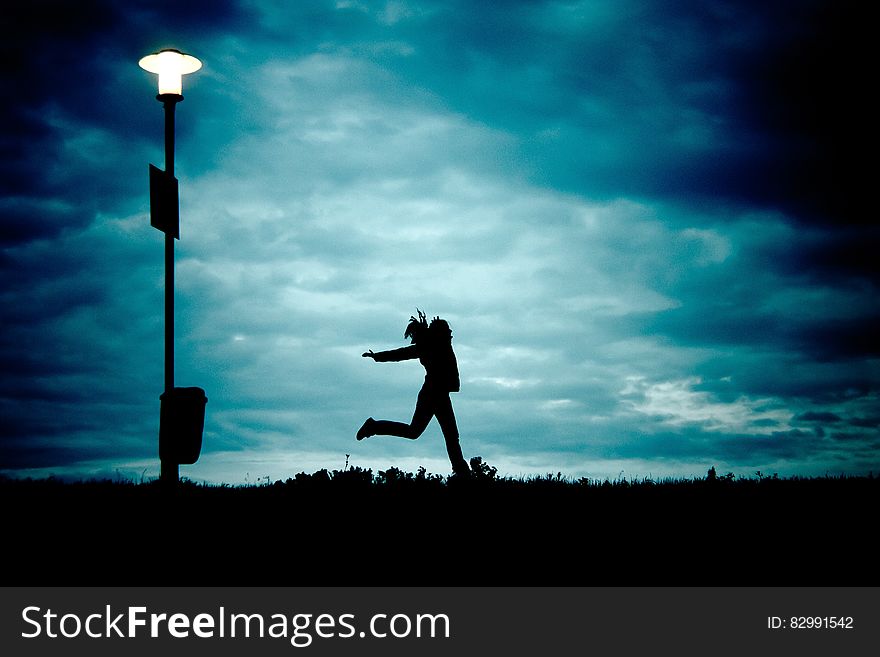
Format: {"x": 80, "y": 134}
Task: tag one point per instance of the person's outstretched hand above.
{"x": 369, "y": 354}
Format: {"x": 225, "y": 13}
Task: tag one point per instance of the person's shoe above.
{"x": 366, "y": 429}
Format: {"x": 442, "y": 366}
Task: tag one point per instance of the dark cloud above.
{"x": 818, "y": 337}
{"x": 804, "y": 97}
{"x": 726, "y": 101}
{"x": 753, "y": 103}
{"x": 844, "y": 256}
{"x": 823, "y": 417}
{"x": 68, "y": 61}
{"x": 27, "y": 219}
{"x": 865, "y": 422}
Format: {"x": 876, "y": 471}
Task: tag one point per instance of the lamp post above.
{"x": 170, "y": 65}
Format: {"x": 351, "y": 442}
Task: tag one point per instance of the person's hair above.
{"x": 416, "y": 326}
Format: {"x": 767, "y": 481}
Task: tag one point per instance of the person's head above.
{"x": 440, "y": 331}
{"x": 416, "y": 327}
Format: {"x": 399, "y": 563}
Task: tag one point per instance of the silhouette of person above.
{"x": 432, "y": 345}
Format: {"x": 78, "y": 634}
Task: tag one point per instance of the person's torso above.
{"x": 441, "y": 367}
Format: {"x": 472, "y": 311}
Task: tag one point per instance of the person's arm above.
{"x": 404, "y": 353}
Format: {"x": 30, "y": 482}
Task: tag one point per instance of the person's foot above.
{"x": 462, "y": 472}
{"x": 366, "y": 429}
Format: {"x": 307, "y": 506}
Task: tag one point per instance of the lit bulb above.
{"x": 171, "y": 65}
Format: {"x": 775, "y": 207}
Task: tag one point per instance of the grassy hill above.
{"x": 355, "y": 527}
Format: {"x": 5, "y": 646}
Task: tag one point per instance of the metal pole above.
{"x": 170, "y": 471}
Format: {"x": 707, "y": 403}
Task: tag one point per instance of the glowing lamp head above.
{"x": 171, "y": 65}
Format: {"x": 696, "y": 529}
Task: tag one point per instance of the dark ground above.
{"x": 355, "y": 529}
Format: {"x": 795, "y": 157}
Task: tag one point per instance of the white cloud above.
{"x": 677, "y": 403}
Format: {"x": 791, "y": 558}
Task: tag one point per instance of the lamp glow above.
{"x": 171, "y": 65}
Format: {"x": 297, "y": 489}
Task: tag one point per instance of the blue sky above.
{"x": 648, "y": 224}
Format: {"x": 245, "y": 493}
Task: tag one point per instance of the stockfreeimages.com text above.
{"x": 301, "y": 629}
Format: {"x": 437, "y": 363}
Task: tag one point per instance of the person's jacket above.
{"x": 441, "y": 368}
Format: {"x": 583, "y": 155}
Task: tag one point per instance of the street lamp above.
{"x": 182, "y": 414}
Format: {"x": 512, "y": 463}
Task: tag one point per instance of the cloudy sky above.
{"x": 647, "y": 222}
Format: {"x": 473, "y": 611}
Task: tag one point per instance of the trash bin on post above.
{"x": 181, "y": 423}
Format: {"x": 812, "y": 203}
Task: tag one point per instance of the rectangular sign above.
{"x": 164, "y": 204}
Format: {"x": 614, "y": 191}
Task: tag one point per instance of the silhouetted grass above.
{"x": 400, "y": 528}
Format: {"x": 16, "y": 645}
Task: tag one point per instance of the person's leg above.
{"x": 446, "y": 418}
{"x": 421, "y": 416}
